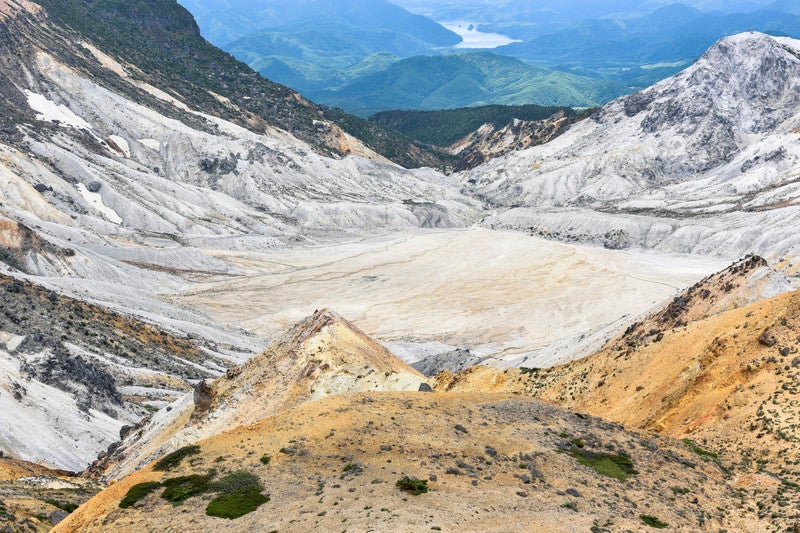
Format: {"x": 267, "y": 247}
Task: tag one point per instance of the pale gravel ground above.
{"x": 498, "y": 293}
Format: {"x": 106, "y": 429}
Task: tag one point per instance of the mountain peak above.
{"x": 744, "y": 82}
{"x": 749, "y": 49}
{"x": 683, "y": 156}
{"x": 314, "y": 323}
{"x": 322, "y": 355}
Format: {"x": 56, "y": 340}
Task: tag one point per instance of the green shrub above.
{"x": 171, "y": 460}
{"x": 618, "y": 466}
{"x": 652, "y": 521}
{"x": 180, "y": 489}
{"x": 265, "y": 459}
{"x": 414, "y": 486}
{"x": 137, "y": 492}
{"x": 237, "y": 503}
{"x": 64, "y": 506}
{"x": 235, "y": 481}
{"x": 352, "y": 469}
{"x": 698, "y": 450}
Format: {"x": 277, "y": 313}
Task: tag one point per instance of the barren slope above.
{"x": 127, "y": 170}
{"x": 493, "y": 463}
{"x": 74, "y": 373}
{"x": 115, "y": 182}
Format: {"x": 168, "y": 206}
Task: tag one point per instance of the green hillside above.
{"x": 466, "y": 80}
{"x": 318, "y": 59}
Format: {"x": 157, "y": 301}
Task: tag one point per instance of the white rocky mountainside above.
{"x": 706, "y": 161}
{"x": 116, "y": 192}
{"x": 90, "y": 169}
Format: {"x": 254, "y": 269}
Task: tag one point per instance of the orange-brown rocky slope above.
{"x": 488, "y": 463}
{"x": 727, "y": 381}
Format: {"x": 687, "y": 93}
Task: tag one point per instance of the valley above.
{"x": 507, "y": 297}
{"x": 224, "y": 305}
{"x": 365, "y": 57}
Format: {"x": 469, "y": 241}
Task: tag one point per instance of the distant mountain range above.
{"x": 474, "y": 79}
{"x": 672, "y": 33}
{"x": 371, "y": 55}
{"x": 224, "y": 21}
{"x": 544, "y": 16}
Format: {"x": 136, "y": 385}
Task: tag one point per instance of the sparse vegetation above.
{"x": 652, "y": 521}
{"x": 235, "y": 481}
{"x": 64, "y": 506}
{"x": 414, "y": 486}
{"x": 265, "y": 459}
{"x": 171, "y": 460}
{"x": 578, "y": 443}
{"x": 352, "y": 469}
{"x": 138, "y": 492}
{"x": 618, "y": 466}
{"x": 698, "y": 450}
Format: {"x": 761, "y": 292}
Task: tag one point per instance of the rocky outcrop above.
{"x": 744, "y": 282}
{"x": 490, "y": 141}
